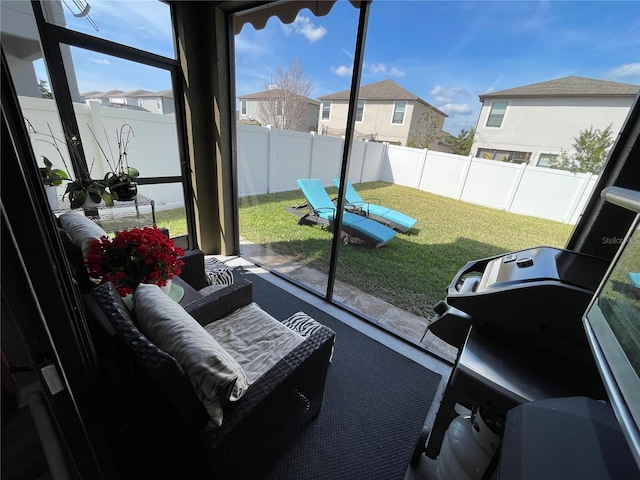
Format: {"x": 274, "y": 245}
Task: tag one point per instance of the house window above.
{"x": 398, "y": 113}
{"x": 326, "y": 110}
{"x": 496, "y": 114}
{"x": 508, "y": 156}
{"x": 243, "y": 107}
{"x": 360, "y": 111}
{"x": 545, "y": 159}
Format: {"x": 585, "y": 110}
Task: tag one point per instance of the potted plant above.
{"x": 139, "y": 255}
{"x": 86, "y": 192}
{"x": 79, "y": 191}
{"x": 121, "y": 181}
{"x": 52, "y": 178}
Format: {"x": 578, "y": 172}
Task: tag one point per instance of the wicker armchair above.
{"x": 160, "y": 418}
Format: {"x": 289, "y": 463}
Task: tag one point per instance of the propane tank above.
{"x": 467, "y": 448}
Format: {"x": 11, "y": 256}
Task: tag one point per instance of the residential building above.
{"x": 157, "y": 102}
{"x": 143, "y": 100}
{"x": 534, "y": 123}
{"x": 250, "y": 111}
{"x": 386, "y": 112}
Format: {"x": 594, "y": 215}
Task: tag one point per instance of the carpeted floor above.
{"x": 374, "y": 407}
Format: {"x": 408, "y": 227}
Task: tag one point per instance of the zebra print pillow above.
{"x": 216, "y": 376}
{"x": 217, "y": 272}
{"x": 304, "y": 325}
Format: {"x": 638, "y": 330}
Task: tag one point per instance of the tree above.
{"x": 461, "y": 145}
{"x": 44, "y": 89}
{"x": 591, "y": 149}
{"x": 428, "y": 131}
{"x": 285, "y": 103}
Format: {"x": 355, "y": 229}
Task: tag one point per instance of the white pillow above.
{"x": 82, "y": 230}
{"x": 216, "y": 376}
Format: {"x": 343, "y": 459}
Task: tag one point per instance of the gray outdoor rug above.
{"x": 373, "y": 410}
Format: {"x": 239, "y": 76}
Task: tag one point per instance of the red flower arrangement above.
{"x": 139, "y": 255}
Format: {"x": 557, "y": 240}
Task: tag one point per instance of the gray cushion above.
{"x": 216, "y": 376}
{"x": 254, "y": 338}
{"x": 82, "y": 230}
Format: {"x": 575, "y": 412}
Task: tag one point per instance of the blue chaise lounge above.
{"x": 319, "y": 209}
{"x": 392, "y": 218}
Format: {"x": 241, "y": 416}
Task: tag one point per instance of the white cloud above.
{"x": 377, "y": 68}
{"x": 101, "y": 61}
{"x": 456, "y": 108}
{"x": 304, "y": 26}
{"x": 244, "y": 45}
{"x": 342, "y": 70}
{"x": 445, "y": 95}
{"x": 628, "y": 70}
{"x": 382, "y": 68}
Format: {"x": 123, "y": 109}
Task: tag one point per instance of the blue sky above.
{"x": 445, "y": 52}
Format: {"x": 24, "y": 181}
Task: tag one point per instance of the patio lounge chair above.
{"x": 392, "y": 218}
{"x": 319, "y": 209}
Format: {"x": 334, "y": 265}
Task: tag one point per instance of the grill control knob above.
{"x": 524, "y": 262}
{"x": 440, "y": 308}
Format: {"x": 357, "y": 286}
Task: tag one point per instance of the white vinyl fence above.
{"x": 271, "y": 160}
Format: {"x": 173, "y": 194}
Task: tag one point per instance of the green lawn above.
{"x": 413, "y": 270}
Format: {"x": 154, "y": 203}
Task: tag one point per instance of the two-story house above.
{"x": 534, "y": 123}
{"x": 386, "y": 112}
{"x": 143, "y": 100}
{"x": 250, "y": 110}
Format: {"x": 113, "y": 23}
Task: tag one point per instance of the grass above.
{"x": 413, "y": 270}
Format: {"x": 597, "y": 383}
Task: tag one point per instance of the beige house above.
{"x": 386, "y": 112}
{"x": 534, "y": 123}
{"x": 143, "y": 100}
{"x": 249, "y": 110}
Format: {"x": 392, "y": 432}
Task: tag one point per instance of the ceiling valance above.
{"x": 286, "y": 11}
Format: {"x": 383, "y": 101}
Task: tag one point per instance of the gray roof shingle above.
{"x": 568, "y": 87}
{"x": 384, "y": 90}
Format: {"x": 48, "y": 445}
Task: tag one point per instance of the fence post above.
{"x": 364, "y": 159}
{"x": 385, "y": 156}
{"x": 97, "y": 126}
{"x": 578, "y": 197}
{"x": 463, "y": 179}
{"x": 313, "y": 150}
{"x": 516, "y": 186}
{"x": 270, "y": 155}
{"x": 425, "y": 153}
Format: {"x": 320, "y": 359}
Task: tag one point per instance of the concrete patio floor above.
{"x": 386, "y": 315}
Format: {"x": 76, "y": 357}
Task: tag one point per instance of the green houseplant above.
{"x": 52, "y": 178}
{"x": 120, "y": 182}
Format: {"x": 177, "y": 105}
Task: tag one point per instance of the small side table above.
{"x": 139, "y": 212}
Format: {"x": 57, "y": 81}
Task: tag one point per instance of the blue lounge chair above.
{"x": 396, "y": 220}
{"x": 319, "y": 209}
